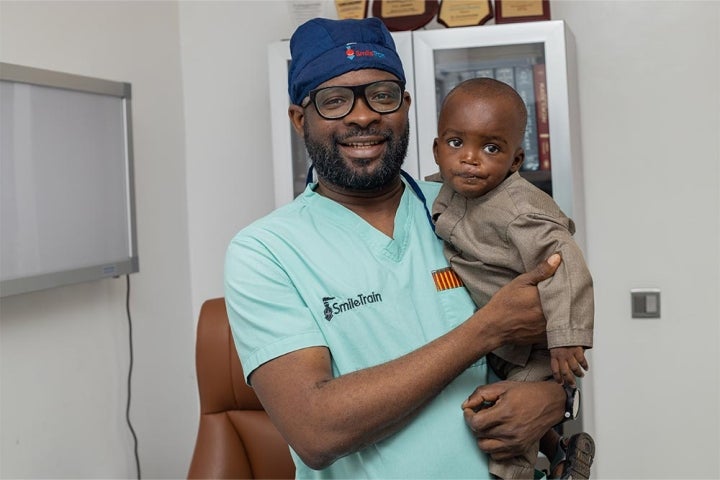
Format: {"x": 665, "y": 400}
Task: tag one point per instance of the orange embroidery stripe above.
{"x": 446, "y": 279}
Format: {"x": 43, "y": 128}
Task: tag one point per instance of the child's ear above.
{"x": 517, "y": 160}
{"x": 435, "y": 148}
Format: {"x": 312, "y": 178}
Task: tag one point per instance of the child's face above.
{"x": 479, "y": 143}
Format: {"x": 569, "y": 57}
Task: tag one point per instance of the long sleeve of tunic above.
{"x": 491, "y": 239}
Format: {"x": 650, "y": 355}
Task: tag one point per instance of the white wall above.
{"x": 65, "y": 351}
{"x": 648, "y": 77}
{"x": 229, "y": 164}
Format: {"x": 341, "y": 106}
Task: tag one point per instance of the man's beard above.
{"x": 330, "y": 165}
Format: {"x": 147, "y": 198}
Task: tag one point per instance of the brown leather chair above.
{"x": 236, "y": 438}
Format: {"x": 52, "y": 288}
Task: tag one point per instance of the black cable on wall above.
{"x": 129, "y": 378}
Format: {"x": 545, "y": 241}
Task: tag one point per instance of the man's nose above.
{"x": 361, "y": 113}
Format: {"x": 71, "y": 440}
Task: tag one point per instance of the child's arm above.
{"x": 567, "y": 363}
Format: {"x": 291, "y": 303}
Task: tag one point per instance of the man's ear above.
{"x": 435, "y": 149}
{"x": 518, "y": 160}
{"x": 297, "y": 118}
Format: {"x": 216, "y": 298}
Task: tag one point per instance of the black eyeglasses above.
{"x": 332, "y": 103}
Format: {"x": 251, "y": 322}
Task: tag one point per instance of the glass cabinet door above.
{"x": 532, "y": 58}
{"x": 290, "y": 160}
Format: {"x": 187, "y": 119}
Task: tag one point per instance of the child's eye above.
{"x": 491, "y": 148}
{"x": 455, "y": 142}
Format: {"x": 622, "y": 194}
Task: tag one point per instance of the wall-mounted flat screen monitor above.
{"x": 67, "y": 207}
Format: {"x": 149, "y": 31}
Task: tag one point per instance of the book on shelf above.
{"x": 484, "y": 72}
{"x": 445, "y": 82}
{"x": 543, "y": 124}
{"x": 525, "y": 86}
{"x": 466, "y": 75}
{"x": 506, "y": 75}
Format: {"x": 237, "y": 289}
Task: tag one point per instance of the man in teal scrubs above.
{"x": 361, "y": 343}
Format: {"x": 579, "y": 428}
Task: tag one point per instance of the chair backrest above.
{"x": 235, "y": 438}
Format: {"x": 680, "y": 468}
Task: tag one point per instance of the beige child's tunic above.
{"x": 491, "y": 239}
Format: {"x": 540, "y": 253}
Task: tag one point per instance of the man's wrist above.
{"x": 557, "y": 403}
{"x": 488, "y": 333}
{"x": 571, "y": 407}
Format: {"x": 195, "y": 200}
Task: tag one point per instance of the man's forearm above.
{"x": 325, "y": 418}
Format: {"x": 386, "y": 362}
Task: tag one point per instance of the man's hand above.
{"x": 520, "y": 413}
{"x": 516, "y": 308}
{"x": 567, "y": 363}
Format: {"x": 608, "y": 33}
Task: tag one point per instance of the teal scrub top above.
{"x": 313, "y": 273}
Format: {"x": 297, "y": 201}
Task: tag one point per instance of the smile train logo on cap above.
{"x": 351, "y": 53}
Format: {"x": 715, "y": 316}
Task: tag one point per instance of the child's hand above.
{"x": 567, "y": 363}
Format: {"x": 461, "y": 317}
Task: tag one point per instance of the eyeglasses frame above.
{"x": 357, "y": 90}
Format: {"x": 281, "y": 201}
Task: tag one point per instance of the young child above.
{"x": 496, "y": 225}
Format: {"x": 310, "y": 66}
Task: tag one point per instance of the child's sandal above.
{"x": 576, "y": 455}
